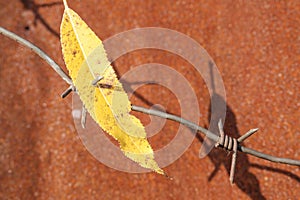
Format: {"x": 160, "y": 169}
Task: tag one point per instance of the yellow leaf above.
{"x": 107, "y": 103}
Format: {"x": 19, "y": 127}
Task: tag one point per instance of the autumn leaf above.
{"x": 109, "y": 106}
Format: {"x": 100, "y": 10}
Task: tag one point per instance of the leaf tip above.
{"x": 167, "y": 176}
{"x": 162, "y": 172}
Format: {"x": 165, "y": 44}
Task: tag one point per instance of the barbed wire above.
{"x": 223, "y": 141}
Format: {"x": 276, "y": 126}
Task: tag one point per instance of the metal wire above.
{"x": 224, "y": 141}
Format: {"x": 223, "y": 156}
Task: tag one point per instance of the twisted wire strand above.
{"x": 229, "y": 144}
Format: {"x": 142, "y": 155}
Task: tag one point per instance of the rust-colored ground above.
{"x": 256, "y": 46}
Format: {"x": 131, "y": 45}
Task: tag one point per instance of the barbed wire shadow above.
{"x": 244, "y": 179}
{"x": 33, "y": 7}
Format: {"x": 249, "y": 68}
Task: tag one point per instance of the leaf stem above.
{"x": 180, "y": 120}
{"x": 65, "y": 4}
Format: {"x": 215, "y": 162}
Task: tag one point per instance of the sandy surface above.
{"x": 256, "y": 46}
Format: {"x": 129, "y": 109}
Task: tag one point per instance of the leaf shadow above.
{"x": 32, "y": 6}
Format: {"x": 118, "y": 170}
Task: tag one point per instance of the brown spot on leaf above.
{"x": 74, "y": 53}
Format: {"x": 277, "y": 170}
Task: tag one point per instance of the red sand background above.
{"x": 256, "y": 46}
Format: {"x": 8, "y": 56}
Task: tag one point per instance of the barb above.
{"x": 231, "y": 144}
{"x": 68, "y": 91}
